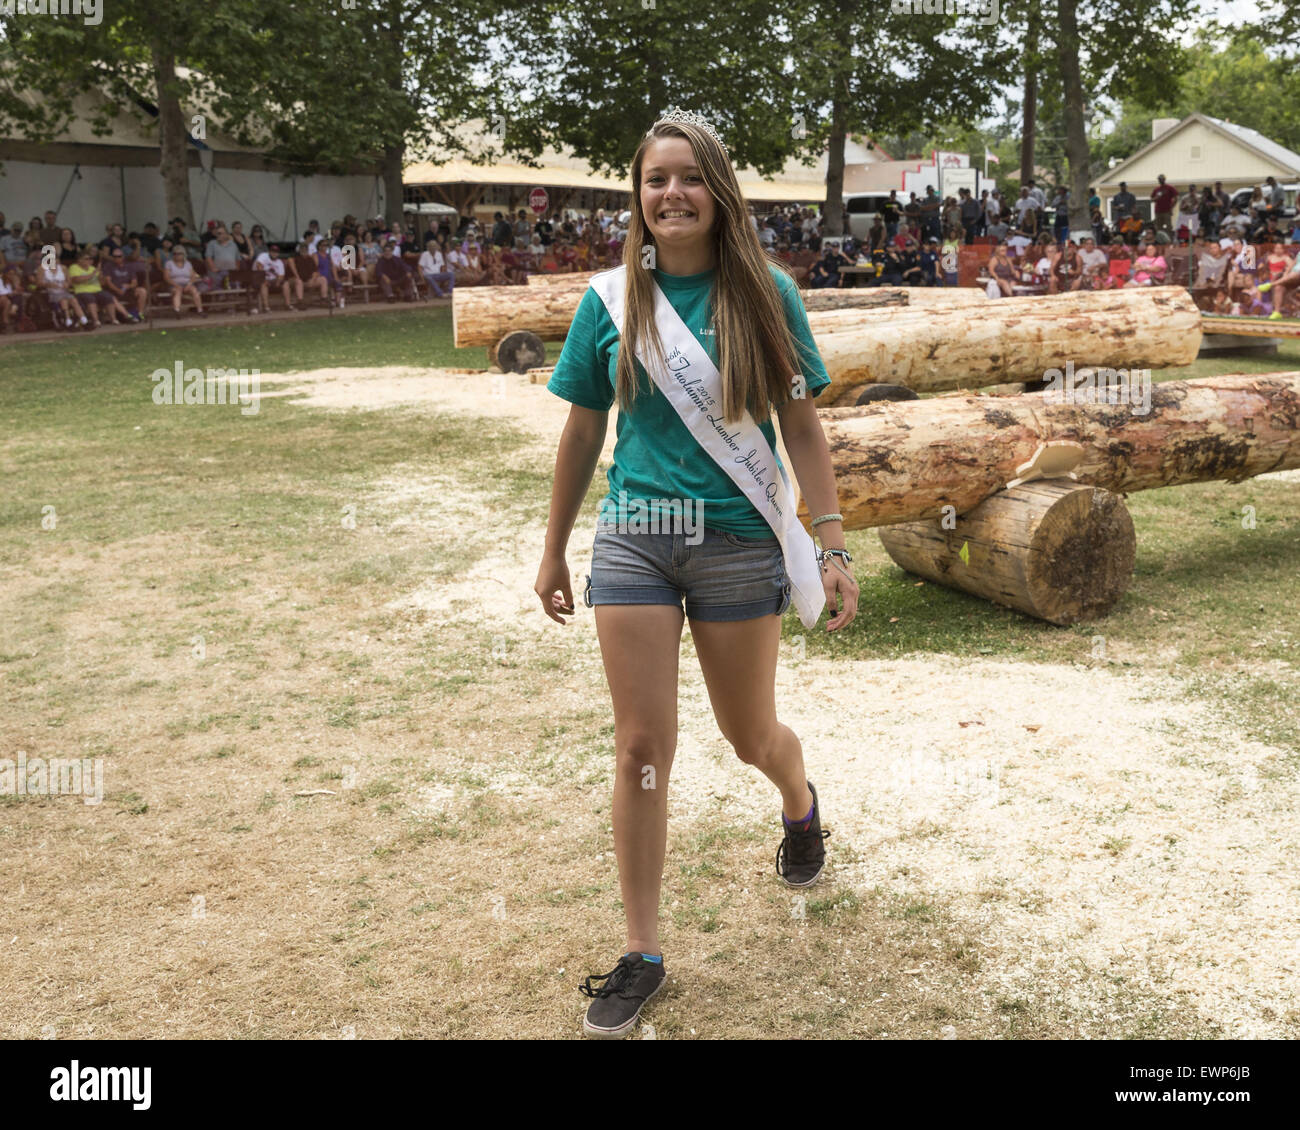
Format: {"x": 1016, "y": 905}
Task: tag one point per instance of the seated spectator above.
{"x": 83, "y": 276}
{"x": 276, "y": 276}
{"x": 50, "y": 232}
{"x": 1242, "y": 268}
{"x": 1066, "y": 269}
{"x": 186, "y": 238}
{"x": 11, "y": 297}
{"x": 1236, "y": 224}
{"x": 1019, "y": 243}
{"x": 1094, "y": 266}
{"x": 240, "y": 240}
{"x": 13, "y": 248}
{"x": 149, "y": 240}
{"x": 433, "y": 266}
{"x": 370, "y": 252}
{"x": 1150, "y": 268}
{"x": 1001, "y": 270}
{"x": 222, "y": 257}
{"x": 1211, "y": 264}
{"x": 1284, "y": 286}
{"x": 391, "y": 272}
{"x": 69, "y": 248}
{"x": 825, "y": 272}
{"x": 1130, "y": 229}
{"x": 930, "y": 262}
{"x": 1268, "y": 232}
{"x": 909, "y": 262}
{"x": 183, "y": 280}
{"x": 53, "y": 282}
{"x": 257, "y": 245}
{"x": 116, "y": 237}
{"x": 329, "y": 285}
{"x": 997, "y": 229}
{"x": 346, "y": 259}
{"x": 121, "y": 280}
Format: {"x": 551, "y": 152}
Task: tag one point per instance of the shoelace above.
{"x": 615, "y": 980}
{"x": 800, "y": 848}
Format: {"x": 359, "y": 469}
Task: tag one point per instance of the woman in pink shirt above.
{"x": 1150, "y": 268}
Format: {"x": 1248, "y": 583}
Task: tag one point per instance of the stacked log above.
{"x": 483, "y": 315}
{"x": 1008, "y": 340}
{"x": 897, "y": 462}
{"x": 1058, "y": 550}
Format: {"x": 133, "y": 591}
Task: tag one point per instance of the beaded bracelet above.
{"x": 827, "y": 518}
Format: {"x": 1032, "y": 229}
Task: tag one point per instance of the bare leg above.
{"x": 738, "y": 659}
{"x": 640, "y": 645}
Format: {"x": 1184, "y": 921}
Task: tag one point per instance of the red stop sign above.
{"x": 539, "y": 200}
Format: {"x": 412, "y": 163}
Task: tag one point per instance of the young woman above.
{"x": 256, "y": 242}
{"x": 69, "y": 248}
{"x": 240, "y": 240}
{"x": 696, "y": 287}
{"x": 1001, "y": 270}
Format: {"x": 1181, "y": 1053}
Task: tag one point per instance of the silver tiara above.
{"x": 677, "y": 115}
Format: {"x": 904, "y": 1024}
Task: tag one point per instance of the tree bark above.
{"x": 898, "y": 462}
{"x": 482, "y": 315}
{"x": 1076, "y": 131}
{"x": 833, "y": 209}
{"x": 1055, "y": 549}
{"x": 394, "y": 157}
{"x": 1005, "y": 341}
{"x": 172, "y": 137}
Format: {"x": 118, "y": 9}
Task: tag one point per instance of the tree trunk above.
{"x": 172, "y": 137}
{"x": 1076, "y": 130}
{"x": 1030, "y": 108}
{"x": 898, "y": 462}
{"x": 394, "y": 156}
{"x": 833, "y": 210}
{"x": 1055, "y": 549}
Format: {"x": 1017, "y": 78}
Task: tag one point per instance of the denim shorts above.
{"x": 722, "y": 576}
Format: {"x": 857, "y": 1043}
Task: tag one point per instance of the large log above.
{"x": 483, "y": 315}
{"x": 897, "y": 462}
{"x": 1006, "y": 341}
{"x": 1055, "y": 549}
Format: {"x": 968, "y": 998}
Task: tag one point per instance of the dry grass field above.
{"x": 357, "y": 784}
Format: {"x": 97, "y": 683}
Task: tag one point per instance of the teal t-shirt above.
{"x": 655, "y": 455}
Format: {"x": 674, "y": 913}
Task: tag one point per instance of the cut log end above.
{"x": 1060, "y": 551}
{"x": 520, "y": 351}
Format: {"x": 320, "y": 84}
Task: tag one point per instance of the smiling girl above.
{"x": 717, "y": 338}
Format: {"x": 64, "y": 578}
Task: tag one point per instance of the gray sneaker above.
{"x": 616, "y": 1004}
{"x": 802, "y": 854}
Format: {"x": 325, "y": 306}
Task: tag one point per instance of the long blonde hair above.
{"x": 757, "y": 354}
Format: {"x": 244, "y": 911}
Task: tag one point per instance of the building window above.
{"x": 1196, "y": 153}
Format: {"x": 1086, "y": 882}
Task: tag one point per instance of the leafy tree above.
{"x": 773, "y": 84}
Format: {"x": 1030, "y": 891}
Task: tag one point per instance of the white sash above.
{"x": 690, "y": 380}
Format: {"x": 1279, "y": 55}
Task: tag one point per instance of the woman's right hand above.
{"x": 554, "y": 589}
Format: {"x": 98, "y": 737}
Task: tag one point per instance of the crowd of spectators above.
{"x": 82, "y": 284}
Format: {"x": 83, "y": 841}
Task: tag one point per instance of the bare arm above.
{"x": 575, "y": 462}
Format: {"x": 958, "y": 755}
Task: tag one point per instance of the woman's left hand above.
{"x": 837, "y": 577}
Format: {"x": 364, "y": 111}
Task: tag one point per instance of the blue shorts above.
{"x": 722, "y": 576}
